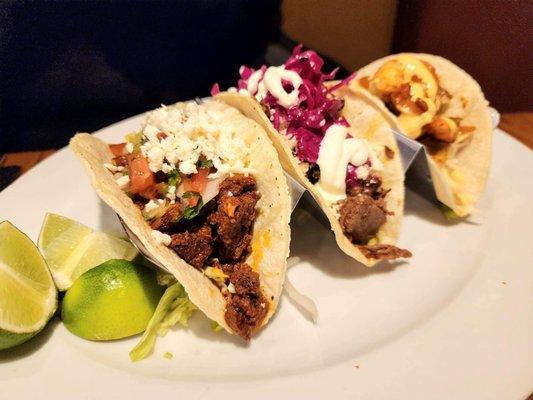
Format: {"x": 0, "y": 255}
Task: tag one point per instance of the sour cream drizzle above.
{"x": 336, "y": 152}
{"x": 259, "y": 84}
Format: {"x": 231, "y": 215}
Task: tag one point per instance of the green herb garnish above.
{"x": 174, "y": 178}
{"x": 204, "y": 164}
{"x": 191, "y": 212}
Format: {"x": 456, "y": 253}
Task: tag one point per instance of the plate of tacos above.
{"x": 359, "y": 288}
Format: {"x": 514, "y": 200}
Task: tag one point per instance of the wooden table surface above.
{"x": 518, "y": 125}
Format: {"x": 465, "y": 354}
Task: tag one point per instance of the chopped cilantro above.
{"x": 204, "y": 164}
{"x": 174, "y": 178}
{"x": 191, "y": 212}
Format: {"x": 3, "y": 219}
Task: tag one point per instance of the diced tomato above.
{"x": 118, "y": 149}
{"x": 141, "y": 178}
{"x": 196, "y": 183}
{"x": 153, "y": 192}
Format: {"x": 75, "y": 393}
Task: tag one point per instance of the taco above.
{"x": 202, "y": 188}
{"x": 333, "y": 143}
{"x": 435, "y": 102}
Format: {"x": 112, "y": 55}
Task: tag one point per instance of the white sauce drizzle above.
{"x": 259, "y": 84}
{"x": 336, "y": 152}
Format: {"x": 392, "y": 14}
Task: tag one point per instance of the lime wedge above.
{"x": 71, "y": 248}
{"x": 112, "y": 301}
{"x": 28, "y": 297}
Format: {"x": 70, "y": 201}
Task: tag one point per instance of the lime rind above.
{"x": 28, "y": 297}
{"x": 71, "y": 248}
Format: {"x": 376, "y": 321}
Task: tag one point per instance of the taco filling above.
{"x": 410, "y": 88}
{"x": 191, "y": 181}
{"x": 345, "y": 170}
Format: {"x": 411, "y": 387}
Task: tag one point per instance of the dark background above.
{"x": 68, "y": 66}
{"x": 77, "y": 66}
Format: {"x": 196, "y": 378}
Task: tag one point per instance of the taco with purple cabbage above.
{"x": 336, "y": 145}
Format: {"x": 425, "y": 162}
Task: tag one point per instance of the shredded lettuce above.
{"x": 174, "y": 307}
{"x": 303, "y": 303}
{"x": 165, "y": 279}
{"x": 448, "y": 213}
{"x": 215, "y": 326}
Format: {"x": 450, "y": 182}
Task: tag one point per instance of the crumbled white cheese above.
{"x": 153, "y": 205}
{"x": 362, "y": 172}
{"x": 166, "y": 168}
{"x": 123, "y": 181}
{"x": 231, "y": 288}
{"x": 129, "y": 147}
{"x": 161, "y": 238}
{"x": 171, "y": 194}
{"x": 193, "y": 130}
{"x": 111, "y": 167}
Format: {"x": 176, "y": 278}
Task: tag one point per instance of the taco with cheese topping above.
{"x": 202, "y": 188}
{"x": 336, "y": 145}
{"x": 435, "y": 102}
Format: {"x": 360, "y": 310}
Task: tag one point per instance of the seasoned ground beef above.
{"x": 237, "y": 184}
{"x": 371, "y": 187}
{"x": 194, "y": 246}
{"x": 171, "y": 216}
{"x": 361, "y": 216}
{"x": 234, "y": 217}
{"x": 384, "y": 252}
{"x": 247, "y": 307}
{"x": 220, "y": 236}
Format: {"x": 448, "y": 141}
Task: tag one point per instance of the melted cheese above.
{"x": 423, "y": 85}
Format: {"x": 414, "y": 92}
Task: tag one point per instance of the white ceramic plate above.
{"x": 455, "y": 322}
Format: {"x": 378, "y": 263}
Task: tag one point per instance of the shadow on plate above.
{"x": 28, "y": 348}
{"x": 313, "y": 241}
{"x": 419, "y": 206}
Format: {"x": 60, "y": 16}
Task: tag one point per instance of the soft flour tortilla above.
{"x": 271, "y": 236}
{"x": 459, "y": 174}
{"x": 366, "y": 123}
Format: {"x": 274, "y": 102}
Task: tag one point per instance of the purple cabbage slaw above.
{"x": 316, "y": 110}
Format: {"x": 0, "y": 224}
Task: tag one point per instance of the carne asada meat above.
{"x": 384, "y": 252}
{"x": 247, "y": 307}
{"x": 222, "y": 231}
{"x": 171, "y": 216}
{"x": 194, "y": 246}
{"x": 234, "y": 217}
{"x": 361, "y": 216}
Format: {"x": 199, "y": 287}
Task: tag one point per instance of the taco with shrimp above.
{"x": 202, "y": 188}
{"x": 336, "y": 145}
{"x": 432, "y": 100}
